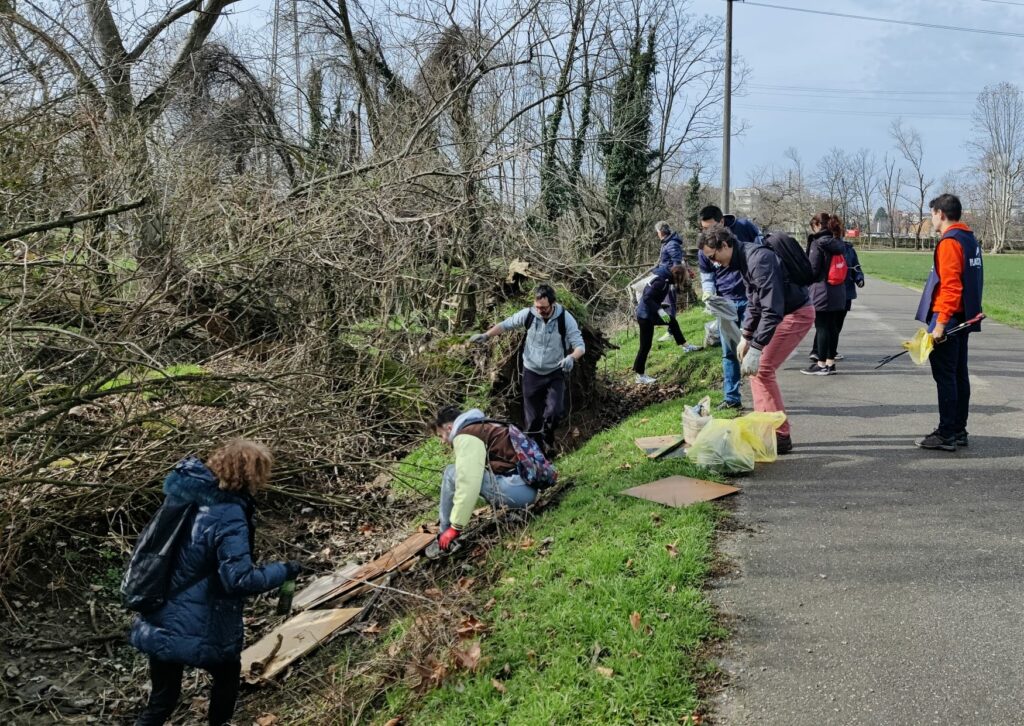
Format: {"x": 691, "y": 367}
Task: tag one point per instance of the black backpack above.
{"x": 561, "y": 327}
{"x": 146, "y": 582}
{"x": 794, "y": 260}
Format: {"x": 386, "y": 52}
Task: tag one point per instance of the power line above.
{"x": 914, "y": 23}
{"x": 857, "y": 112}
{"x": 1004, "y": 2}
{"x": 827, "y": 89}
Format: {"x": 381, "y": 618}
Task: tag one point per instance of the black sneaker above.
{"x": 936, "y": 441}
{"x": 961, "y": 438}
{"x": 814, "y": 357}
{"x": 816, "y": 370}
{"x": 839, "y": 356}
{"x": 726, "y": 405}
{"x": 783, "y": 444}
{"x": 831, "y": 370}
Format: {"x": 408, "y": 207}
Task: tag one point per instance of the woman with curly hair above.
{"x": 200, "y": 624}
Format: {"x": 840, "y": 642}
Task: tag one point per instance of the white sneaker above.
{"x": 665, "y": 338}
{"x": 688, "y": 348}
{"x": 644, "y": 380}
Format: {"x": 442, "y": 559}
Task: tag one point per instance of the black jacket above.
{"x": 769, "y": 295}
{"x": 821, "y": 246}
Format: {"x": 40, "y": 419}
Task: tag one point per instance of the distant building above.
{"x": 743, "y": 201}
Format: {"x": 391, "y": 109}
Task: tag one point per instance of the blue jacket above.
{"x": 671, "y": 251}
{"x": 726, "y": 281}
{"x": 202, "y": 624}
{"x": 821, "y": 246}
{"x": 854, "y": 273}
{"x": 659, "y": 291}
{"x": 972, "y": 279}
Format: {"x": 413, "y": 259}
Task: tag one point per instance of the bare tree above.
{"x": 835, "y": 177}
{"x": 864, "y": 173}
{"x": 908, "y": 143}
{"x": 891, "y": 185}
{"x": 999, "y": 156}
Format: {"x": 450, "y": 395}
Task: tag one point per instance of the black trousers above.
{"x": 543, "y": 405}
{"x": 949, "y": 369}
{"x": 827, "y": 325}
{"x": 647, "y": 340}
{"x": 166, "y": 678}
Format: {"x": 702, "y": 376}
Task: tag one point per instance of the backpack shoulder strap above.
{"x": 528, "y": 323}
{"x": 561, "y": 330}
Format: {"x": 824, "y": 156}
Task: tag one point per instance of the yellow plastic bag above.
{"x": 721, "y": 446}
{"x": 758, "y": 430}
{"x": 920, "y": 346}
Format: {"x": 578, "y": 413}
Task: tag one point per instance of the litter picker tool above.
{"x": 923, "y": 338}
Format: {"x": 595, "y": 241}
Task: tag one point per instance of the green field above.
{"x": 1004, "y": 278}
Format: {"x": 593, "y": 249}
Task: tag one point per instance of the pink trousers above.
{"x": 763, "y": 386}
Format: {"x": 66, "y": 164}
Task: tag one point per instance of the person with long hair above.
{"x": 200, "y": 624}
{"x": 825, "y": 242}
{"x": 663, "y": 286}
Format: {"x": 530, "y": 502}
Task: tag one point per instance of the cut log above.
{"x": 291, "y": 640}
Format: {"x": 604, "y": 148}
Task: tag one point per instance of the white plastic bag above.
{"x": 722, "y": 447}
{"x": 695, "y": 418}
{"x": 711, "y": 337}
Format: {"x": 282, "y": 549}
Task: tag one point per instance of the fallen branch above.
{"x": 72, "y": 220}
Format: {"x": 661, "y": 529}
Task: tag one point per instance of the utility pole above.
{"x": 727, "y": 110}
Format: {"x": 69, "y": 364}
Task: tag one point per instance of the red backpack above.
{"x": 837, "y": 270}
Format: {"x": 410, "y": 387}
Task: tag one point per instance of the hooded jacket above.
{"x": 725, "y": 281}
{"x": 821, "y": 246}
{"x": 769, "y": 296}
{"x": 544, "y": 353}
{"x": 660, "y": 291}
{"x": 671, "y": 251}
{"x": 855, "y": 274}
{"x": 201, "y": 623}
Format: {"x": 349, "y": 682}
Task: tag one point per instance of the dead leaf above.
{"x": 468, "y": 658}
{"x": 672, "y": 550}
{"x": 526, "y": 544}
{"x": 431, "y": 674}
{"x": 606, "y": 672}
{"x": 465, "y": 583}
{"x": 397, "y": 721}
{"x": 434, "y": 593}
{"x": 372, "y": 629}
{"x": 366, "y": 529}
{"x": 625, "y": 466}
{"x": 498, "y": 686}
{"x": 267, "y": 719}
{"x": 634, "y": 620}
{"x": 489, "y": 605}
{"x": 422, "y": 529}
{"x": 470, "y": 628}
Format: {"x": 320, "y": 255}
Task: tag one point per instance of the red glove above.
{"x": 447, "y": 537}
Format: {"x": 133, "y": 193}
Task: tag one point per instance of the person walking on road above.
{"x": 854, "y": 280}
{"x": 664, "y": 285}
{"x": 777, "y": 317}
{"x": 719, "y": 280}
{"x": 824, "y": 248}
{"x": 952, "y": 295}
{"x": 554, "y": 344}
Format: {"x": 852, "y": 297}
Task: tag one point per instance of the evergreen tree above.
{"x": 693, "y": 202}
{"x": 627, "y": 150}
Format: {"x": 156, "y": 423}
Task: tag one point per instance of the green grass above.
{"x": 563, "y": 612}
{"x": 1004, "y": 276}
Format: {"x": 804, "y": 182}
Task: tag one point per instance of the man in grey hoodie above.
{"x": 553, "y": 345}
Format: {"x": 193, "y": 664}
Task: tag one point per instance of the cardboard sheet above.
{"x": 291, "y": 640}
{"x": 680, "y": 491}
{"x": 323, "y": 586}
{"x": 662, "y": 447}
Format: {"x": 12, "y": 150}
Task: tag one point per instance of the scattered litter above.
{"x": 661, "y": 447}
{"x": 680, "y": 491}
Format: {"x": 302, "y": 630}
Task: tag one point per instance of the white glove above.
{"x": 478, "y": 338}
{"x": 742, "y": 348}
{"x": 664, "y": 314}
{"x": 751, "y": 362}
{"x": 705, "y": 296}
{"x": 567, "y": 363}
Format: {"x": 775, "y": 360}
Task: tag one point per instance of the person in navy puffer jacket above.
{"x": 200, "y": 625}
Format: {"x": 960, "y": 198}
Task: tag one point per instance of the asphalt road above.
{"x": 873, "y": 582}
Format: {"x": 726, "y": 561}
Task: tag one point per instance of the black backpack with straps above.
{"x": 147, "y": 579}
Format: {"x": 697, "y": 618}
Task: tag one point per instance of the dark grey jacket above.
{"x": 769, "y": 296}
{"x": 820, "y": 248}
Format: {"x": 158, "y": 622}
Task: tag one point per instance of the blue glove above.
{"x": 751, "y": 362}
{"x": 567, "y": 363}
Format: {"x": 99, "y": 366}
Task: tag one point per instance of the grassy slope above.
{"x": 562, "y": 615}
{"x": 1004, "y": 275}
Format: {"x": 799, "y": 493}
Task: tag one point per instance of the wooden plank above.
{"x": 346, "y": 582}
{"x": 315, "y": 591}
{"x": 680, "y": 491}
{"x": 661, "y": 447}
{"x": 291, "y": 640}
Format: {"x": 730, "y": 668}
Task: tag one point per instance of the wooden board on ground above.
{"x": 662, "y": 447}
{"x": 680, "y": 491}
{"x": 322, "y": 586}
{"x": 345, "y": 581}
{"x": 291, "y": 640}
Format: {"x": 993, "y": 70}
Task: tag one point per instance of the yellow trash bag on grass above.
{"x": 721, "y": 446}
{"x": 758, "y": 429}
{"x": 920, "y": 346}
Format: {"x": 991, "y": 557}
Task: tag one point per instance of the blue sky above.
{"x": 817, "y": 81}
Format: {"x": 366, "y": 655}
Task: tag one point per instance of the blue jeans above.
{"x": 730, "y": 365}
{"x": 498, "y": 491}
